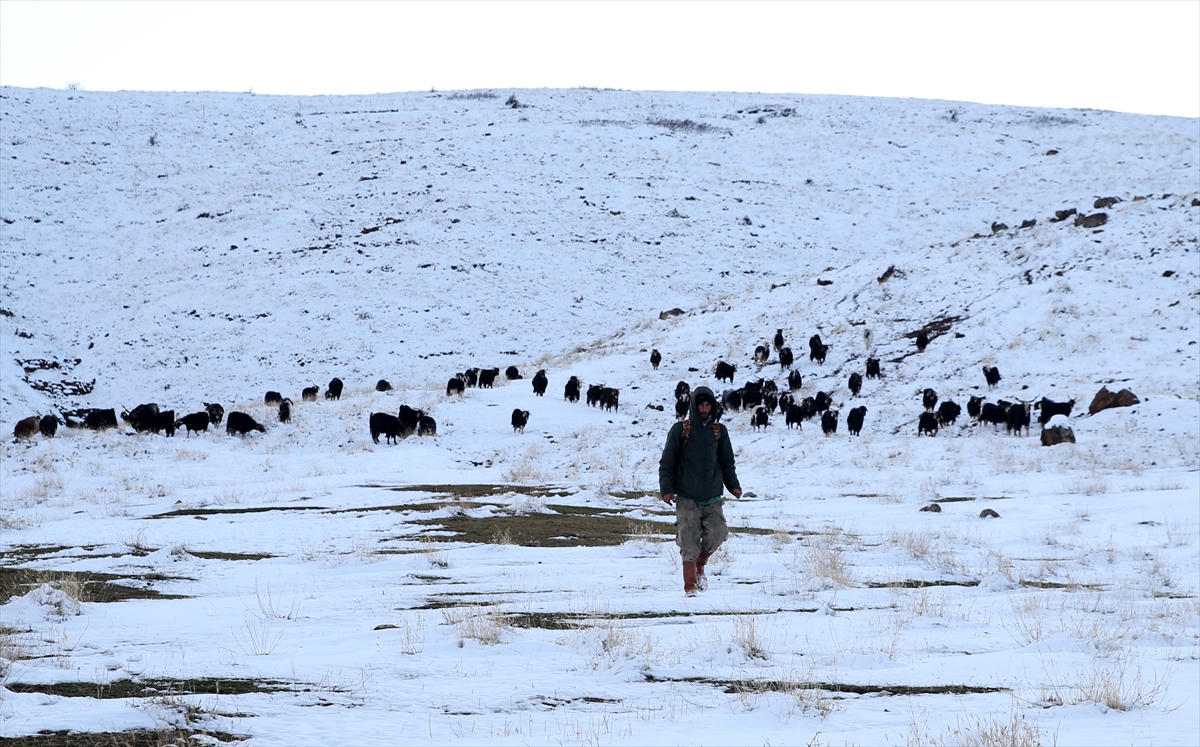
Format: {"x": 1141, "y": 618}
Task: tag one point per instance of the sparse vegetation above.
{"x": 471, "y": 95}
{"x": 485, "y": 625}
{"x": 686, "y": 125}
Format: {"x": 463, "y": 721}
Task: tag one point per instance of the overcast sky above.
{"x": 1139, "y": 57}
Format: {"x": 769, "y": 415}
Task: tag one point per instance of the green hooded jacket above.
{"x": 701, "y": 467}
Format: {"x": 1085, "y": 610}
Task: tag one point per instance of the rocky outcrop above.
{"x": 1105, "y": 400}
{"x": 1054, "y": 434}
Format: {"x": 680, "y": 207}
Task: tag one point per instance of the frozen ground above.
{"x": 307, "y": 586}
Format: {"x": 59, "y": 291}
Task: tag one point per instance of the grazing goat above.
{"x": 487, "y": 377}
{"x": 725, "y": 371}
{"x": 928, "y": 424}
{"x": 1050, "y": 408}
{"x": 854, "y": 421}
{"x": 593, "y": 394}
{"x": 27, "y": 428}
{"x": 48, "y": 425}
{"x": 335, "y": 389}
{"x": 409, "y": 420}
{"x": 1016, "y": 418}
{"x": 994, "y": 413}
{"x": 829, "y": 422}
{"x": 196, "y": 421}
{"x": 240, "y": 423}
{"x": 682, "y": 403}
{"x": 610, "y": 399}
{"x": 929, "y": 398}
{"x": 98, "y": 420}
{"x": 973, "y": 406}
{"x": 571, "y": 390}
{"x": 948, "y": 412}
{"x": 216, "y": 413}
{"x": 731, "y": 399}
{"x": 386, "y": 425}
{"x": 795, "y": 415}
{"x": 141, "y": 417}
{"x": 426, "y": 426}
{"x": 822, "y": 402}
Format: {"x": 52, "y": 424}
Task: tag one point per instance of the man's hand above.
{"x": 737, "y": 493}
{"x": 669, "y": 499}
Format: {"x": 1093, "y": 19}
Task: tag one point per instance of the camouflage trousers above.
{"x": 698, "y": 528}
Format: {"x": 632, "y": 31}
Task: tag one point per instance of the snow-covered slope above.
{"x": 408, "y": 236}
{"x": 190, "y": 248}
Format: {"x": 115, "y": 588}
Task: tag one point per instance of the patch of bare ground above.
{"x": 418, "y": 507}
{"x": 135, "y": 738}
{"x": 1059, "y": 585}
{"x": 574, "y": 620}
{"x": 93, "y": 587}
{"x": 33, "y": 551}
{"x": 576, "y": 528}
{"x": 219, "y": 511}
{"x": 479, "y": 490}
{"x": 221, "y": 555}
{"x": 918, "y": 584}
{"x": 783, "y": 686}
{"x": 146, "y": 688}
{"x": 962, "y": 498}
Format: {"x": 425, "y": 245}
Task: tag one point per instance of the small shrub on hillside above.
{"x": 686, "y": 125}
{"x": 472, "y": 95}
{"x": 476, "y": 623}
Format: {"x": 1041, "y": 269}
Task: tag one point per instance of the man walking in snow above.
{"x": 697, "y": 464}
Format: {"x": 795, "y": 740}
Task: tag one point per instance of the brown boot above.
{"x": 701, "y": 579}
{"x": 689, "y": 579}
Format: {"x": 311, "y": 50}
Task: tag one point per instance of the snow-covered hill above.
{"x": 190, "y": 248}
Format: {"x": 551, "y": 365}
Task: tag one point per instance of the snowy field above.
{"x": 305, "y": 585}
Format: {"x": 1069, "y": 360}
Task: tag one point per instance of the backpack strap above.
{"x": 687, "y": 432}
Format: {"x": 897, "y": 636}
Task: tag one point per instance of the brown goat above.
{"x": 27, "y": 428}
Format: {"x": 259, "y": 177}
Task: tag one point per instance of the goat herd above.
{"x": 762, "y": 397}
{"x": 150, "y": 418}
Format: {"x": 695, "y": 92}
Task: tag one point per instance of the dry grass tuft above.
{"x": 822, "y": 557}
{"x": 476, "y": 623}
{"x": 438, "y": 558}
{"x": 746, "y": 637}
